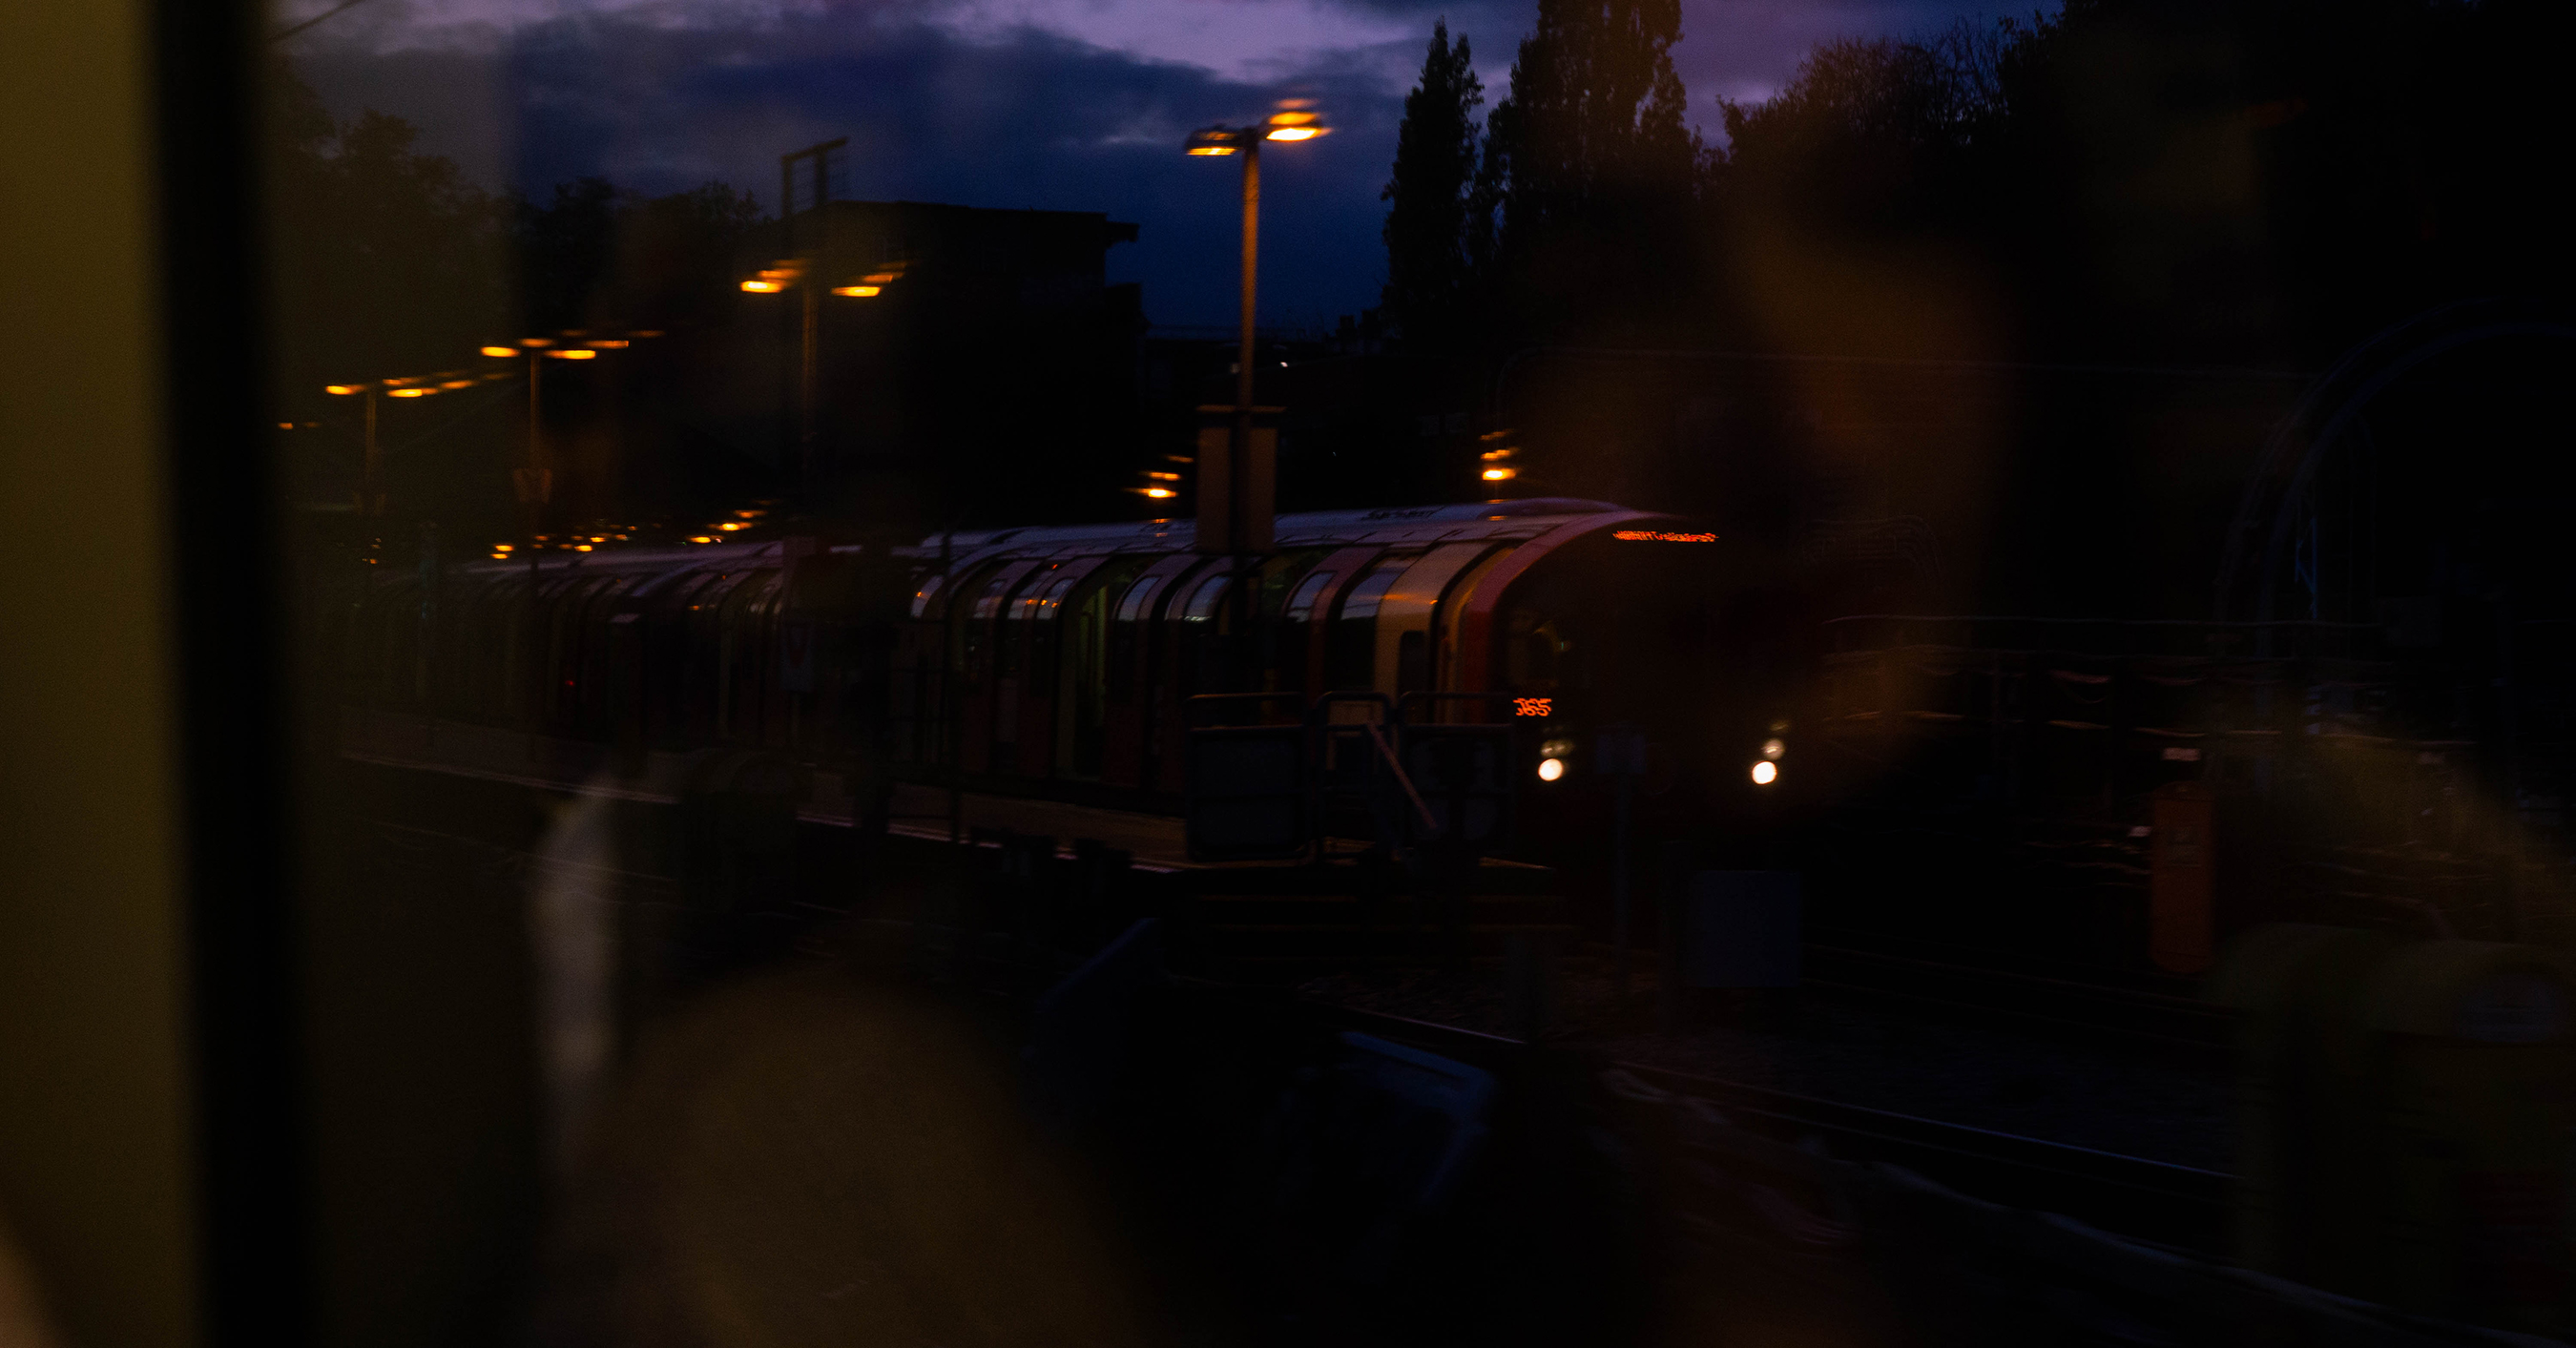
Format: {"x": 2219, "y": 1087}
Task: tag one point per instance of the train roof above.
{"x": 1394, "y": 524}
{"x": 1390, "y": 525}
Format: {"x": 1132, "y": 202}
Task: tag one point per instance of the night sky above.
{"x": 1053, "y": 104}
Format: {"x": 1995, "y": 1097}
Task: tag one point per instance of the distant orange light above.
{"x": 763, "y": 287}
{"x": 730, "y": 525}
{"x": 1165, "y": 477}
{"x": 1659, "y": 536}
{"x": 878, "y": 278}
{"x": 503, "y": 547}
{"x": 1161, "y": 493}
{"x": 1500, "y": 474}
{"x": 575, "y": 353}
{"x": 702, "y": 538}
{"x": 1211, "y": 149}
{"x": 1294, "y": 133}
{"x": 500, "y": 351}
{"x": 458, "y": 383}
{"x": 610, "y": 344}
{"x": 286, "y": 425}
{"x": 857, "y": 292}
{"x": 410, "y": 392}
{"x": 343, "y": 390}
{"x": 650, "y": 332}
{"x": 749, "y": 514}
{"x": 581, "y": 547}
{"x": 536, "y": 343}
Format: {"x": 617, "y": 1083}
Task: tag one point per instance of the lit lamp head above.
{"x": 1216, "y": 140}
{"x": 1296, "y": 120}
{"x": 496, "y": 352}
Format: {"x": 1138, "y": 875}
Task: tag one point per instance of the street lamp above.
{"x": 1296, "y": 120}
{"x": 791, "y": 272}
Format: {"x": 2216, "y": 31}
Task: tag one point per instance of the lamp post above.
{"x": 795, "y": 273}
{"x": 1224, "y": 520}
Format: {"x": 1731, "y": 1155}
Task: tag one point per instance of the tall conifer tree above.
{"x": 1429, "y": 264}
{"x": 1588, "y": 160}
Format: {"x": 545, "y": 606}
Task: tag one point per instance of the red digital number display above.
{"x": 1533, "y": 706}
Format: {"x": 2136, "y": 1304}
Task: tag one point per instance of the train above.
{"x": 2123, "y": 793}
{"x": 1063, "y": 661}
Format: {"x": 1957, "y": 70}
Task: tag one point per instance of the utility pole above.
{"x": 371, "y": 477}
{"x": 1237, "y": 487}
{"x": 806, "y": 448}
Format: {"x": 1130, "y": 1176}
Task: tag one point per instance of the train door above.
{"x": 1181, "y": 642}
{"x": 745, "y": 669}
{"x": 1350, "y": 655}
{"x": 1306, "y": 618}
{"x": 1041, "y": 691}
{"x": 1082, "y": 666}
{"x": 1014, "y": 639}
{"x": 1273, "y": 651}
{"x": 1403, "y": 635}
{"x": 1449, "y": 667}
{"x": 971, "y": 634}
{"x": 925, "y": 689}
{"x": 663, "y": 637}
{"x": 1126, "y": 719}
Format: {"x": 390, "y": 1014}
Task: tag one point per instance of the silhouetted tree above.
{"x": 598, "y": 256}
{"x": 387, "y": 261}
{"x": 1431, "y": 249}
{"x": 1591, "y": 167}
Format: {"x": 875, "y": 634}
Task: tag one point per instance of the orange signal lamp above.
{"x": 1161, "y": 493}
{"x": 1294, "y": 133}
{"x": 857, "y": 292}
{"x": 343, "y": 390}
{"x": 497, "y": 351}
{"x": 1500, "y": 474}
{"x": 409, "y": 392}
{"x": 758, "y": 287}
{"x": 575, "y": 353}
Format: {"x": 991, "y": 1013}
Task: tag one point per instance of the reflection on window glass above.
{"x": 2018, "y": 591}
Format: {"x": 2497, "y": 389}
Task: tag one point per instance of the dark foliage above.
{"x": 1431, "y": 249}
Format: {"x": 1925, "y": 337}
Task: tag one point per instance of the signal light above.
{"x": 1765, "y": 773}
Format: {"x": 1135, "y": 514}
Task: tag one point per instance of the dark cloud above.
{"x": 661, "y": 100}
{"x": 1034, "y": 120}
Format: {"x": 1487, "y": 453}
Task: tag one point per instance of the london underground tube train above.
{"x": 1060, "y": 661}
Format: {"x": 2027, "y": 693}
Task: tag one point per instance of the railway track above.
{"x": 2053, "y": 1002}
{"x": 2156, "y": 1202}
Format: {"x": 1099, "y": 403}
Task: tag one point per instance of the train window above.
{"x": 1301, "y": 603}
{"x": 1361, "y": 603}
{"x": 929, "y": 590}
{"x": 1203, "y": 601}
{"x": 1139, "y": 599}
